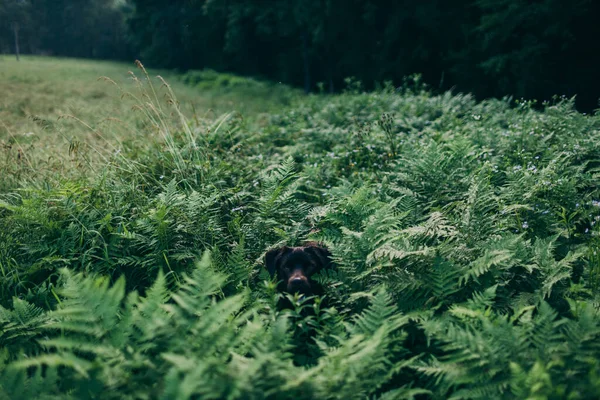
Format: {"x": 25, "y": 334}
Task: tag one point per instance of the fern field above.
{"x": 466, "y": 236}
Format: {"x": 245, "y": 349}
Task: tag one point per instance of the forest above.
{"x": 490, "y": 48}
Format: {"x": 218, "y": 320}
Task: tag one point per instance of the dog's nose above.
{"x": 297, "y": 284}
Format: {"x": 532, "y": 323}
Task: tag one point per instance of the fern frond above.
{"x": 403, "y": 393}
{"x": 498, "y": 255}
{"x": 379, "y": 311}
{"x": 437, "y": 226}
{"x": 443, "y": 280}
{"x": 21, "y": 323}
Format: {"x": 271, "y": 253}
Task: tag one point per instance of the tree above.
{"x": 17, "y": 13}
{"x": 540, "y": 48}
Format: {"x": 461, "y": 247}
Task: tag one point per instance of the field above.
{"x": 133, "y": 230}
{"x": 52, "y": 110}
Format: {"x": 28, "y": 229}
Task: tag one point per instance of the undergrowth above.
{"x": 465, "y": 235}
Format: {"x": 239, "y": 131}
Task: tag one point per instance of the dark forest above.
{"x": 491, "y": 48}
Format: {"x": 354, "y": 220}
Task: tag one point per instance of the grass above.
{"x": 59, "y": 116}
{"x": 48, "y": 88}
{"x": 52, "y": 108}
{"x": 465, "y": 236}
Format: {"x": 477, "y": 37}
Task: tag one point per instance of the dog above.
{"x": 295, "y": 266}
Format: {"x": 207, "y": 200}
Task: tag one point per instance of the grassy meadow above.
{"x": 57, "y": 114}
{"x": 134, "y": 217}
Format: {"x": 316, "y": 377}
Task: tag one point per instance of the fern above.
{"x": 442, "y": 281}
{"x": 20, "y": 325}
{"x": 367, "y": 357}
{"x": 380, "y": 310}
{"x": 464, "y": 233}
{"x": 497, "y": 256}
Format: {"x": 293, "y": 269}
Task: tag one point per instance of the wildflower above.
{"x": 525, "y": 225}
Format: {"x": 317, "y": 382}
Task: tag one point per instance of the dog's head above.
{"x": 294, "y": 267}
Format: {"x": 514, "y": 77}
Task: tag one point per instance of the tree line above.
{"x": 492, "y": 48}
{"x": 72, "y": 28}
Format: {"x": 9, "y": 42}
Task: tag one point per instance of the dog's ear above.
{"x": 271, "y": 259}
{"x": 320, "y": 254}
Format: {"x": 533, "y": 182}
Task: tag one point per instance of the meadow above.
{"x": 53, "y": 108}
{"x": 135, "y": 215}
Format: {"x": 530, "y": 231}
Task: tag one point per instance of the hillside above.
{"x": 465, "y": 237}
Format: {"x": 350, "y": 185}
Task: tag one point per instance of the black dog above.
{"x": 294, "y": 267}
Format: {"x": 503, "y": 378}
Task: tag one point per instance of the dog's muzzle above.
{"x": 298, "y": 284}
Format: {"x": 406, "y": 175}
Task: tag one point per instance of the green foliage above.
{"x": 465, "y": 236}
{"x": 492, "y": 48}
{"x": 94, "y": 29}
{"x": 195, "y": 342}
{"x": 486, "y": 47}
